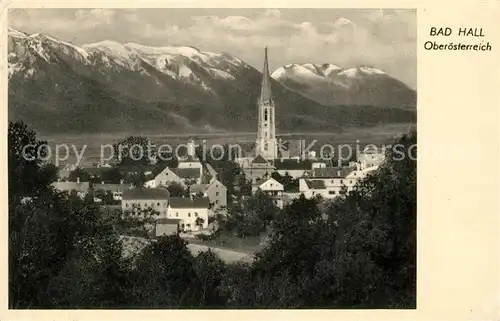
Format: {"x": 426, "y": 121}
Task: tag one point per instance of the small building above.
{"x": 215, "y": 191}
{"x": 274, "y": 190}
{"x": 329, "y": 181}
{"x": 294, "y": 167}
{"x": 193, "y": 212}
{"x": 183, "y": 176}
{"x": 369, "y": 159}
{"x": 258, "y": 170}
{"x": 81, "y": 188}
{"x": 116, "y": 189}
{"x": 138, "y": 199}
{"x": 167, "y": 226}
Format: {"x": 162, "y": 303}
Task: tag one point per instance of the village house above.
{"x": 329, "y": 181}
{"x": 274, "y": 190}
{"x": 294, "y": 167}
{"x": 193, "y": 212}
{"x": 368, "y": 159}
{"x": 167, "y": 226}
{"x": 116, "y": 189}
{"x": 138, "y": 199}
{"x": 80, "y": 188}
{"x": 183, "y": 176}
{"x": 214, "y": 190}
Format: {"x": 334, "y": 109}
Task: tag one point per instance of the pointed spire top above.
{"x": 265, "y": 90}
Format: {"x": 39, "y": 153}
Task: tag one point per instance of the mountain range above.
{"x": 58, "y": 87}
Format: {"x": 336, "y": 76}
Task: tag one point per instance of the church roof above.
{"x": 259, "y": 160}
{"x": 265, "y": 90}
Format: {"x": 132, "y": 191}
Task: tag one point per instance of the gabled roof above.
{"x": 71, "y": 186}
{"x": 187, "y": 202}
{"x": 271, "y": 181}
{"x": 259, "y": 160}
{"x": 333, "y": 172}
{"x": 112, "y": 187}
{"x": 315, "y": 184}
{"x": 146, "y": 194}
{"x": 187, "y": 172}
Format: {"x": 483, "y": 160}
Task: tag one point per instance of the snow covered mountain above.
{"x": 332, "y": 85}
{"x": 56, "y": 86}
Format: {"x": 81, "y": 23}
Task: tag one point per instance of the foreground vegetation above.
{"x": 357, "y": 252}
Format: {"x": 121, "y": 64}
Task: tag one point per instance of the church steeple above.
{"x": 266, "y": 132}
{"x": 265, "y": 90}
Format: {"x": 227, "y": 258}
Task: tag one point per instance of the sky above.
{"x": 384, "y": 39}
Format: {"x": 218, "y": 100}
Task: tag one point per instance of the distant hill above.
{"x": 57, "y": 87}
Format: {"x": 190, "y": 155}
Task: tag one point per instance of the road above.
{"x": 227, "y": 256}
{"x": 133, "y": 245}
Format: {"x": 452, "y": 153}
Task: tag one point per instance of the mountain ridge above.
{"x": 170, "y": 89}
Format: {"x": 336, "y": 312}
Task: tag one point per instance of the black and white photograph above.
{"x": 225, "y": 158}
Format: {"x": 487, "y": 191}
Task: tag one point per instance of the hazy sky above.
{"x": 385, "y": 39}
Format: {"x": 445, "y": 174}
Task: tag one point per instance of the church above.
{"x": 268, "y": 156}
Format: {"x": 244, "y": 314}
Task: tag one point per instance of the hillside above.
{"x": 58, "y": 87}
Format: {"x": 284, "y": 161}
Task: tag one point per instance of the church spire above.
{"x": 265, "y": 90}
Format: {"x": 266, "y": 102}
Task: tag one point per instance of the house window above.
{"x": 126, "y": 205}
{"x": 188, "y": 225}
{"x": 196, "y": 214}
{"x": 216, "y": 193}
{"x": 217, "y": 202}
{"x": 341, "y": 181}
{"x": 265, "y": 114}
{"x": 332, "y": 181}
{"x": 331, "y": 192}
{"x": 158, "y": 204}
{"x": 177, "y": 214}
{"x": 189, "y": 214}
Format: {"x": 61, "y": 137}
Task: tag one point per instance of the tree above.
{"x": 134, "y": 150}
{"x": 25, "y": 158}
{"x": 177, "y": 190}
{"x": 112, "y": 176}
{"x": 165, "y": 276}
{"x": 79, "y": 174}
{"x": 199, "y": 222}
{"x": 210, "y": 271}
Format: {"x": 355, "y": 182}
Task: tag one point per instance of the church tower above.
{"x": 266, "y": 142}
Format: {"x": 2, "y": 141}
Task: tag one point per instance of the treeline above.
{"x": 356, "y": 252}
